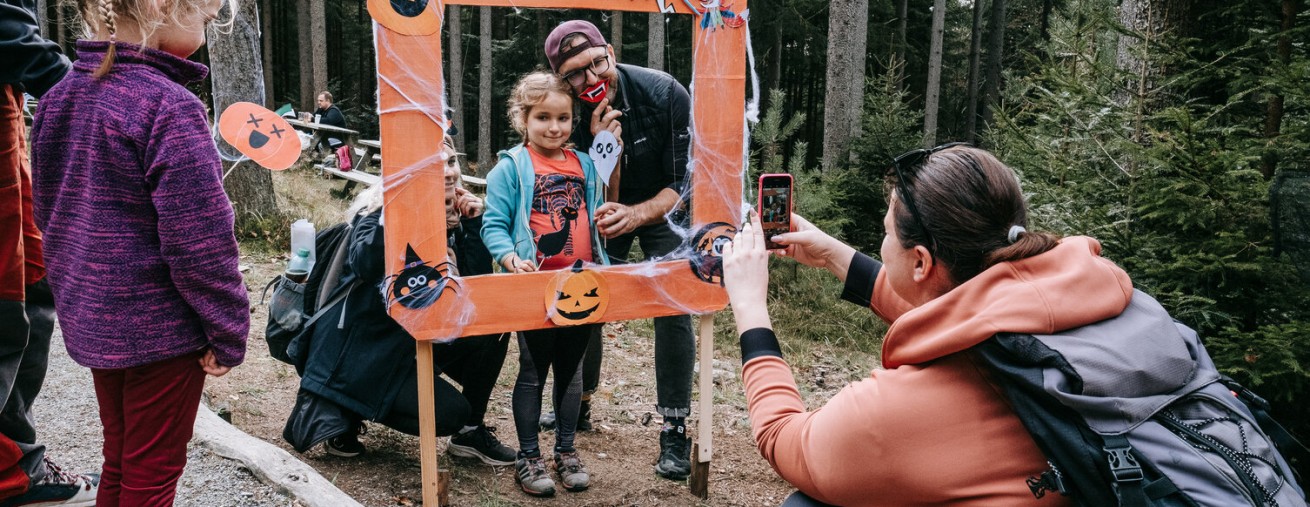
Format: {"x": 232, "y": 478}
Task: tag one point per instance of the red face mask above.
{"x": 594, "y": 94}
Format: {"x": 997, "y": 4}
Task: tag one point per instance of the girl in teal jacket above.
{"x": 541, "y": 198}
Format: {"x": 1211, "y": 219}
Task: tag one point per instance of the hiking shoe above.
{"x": 58, "y": 488}
{"x": 675, "y": 450}
{"x": 547, "y": 421}
{"x": 572, "y": 473}
{"x": 531, "y": 475}
{"x": 346, "y": 445}
{"x": 481, "y": 443}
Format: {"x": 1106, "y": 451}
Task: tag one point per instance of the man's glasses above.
{"x": 579, "y": 77}
{"x": 905, "y": 165}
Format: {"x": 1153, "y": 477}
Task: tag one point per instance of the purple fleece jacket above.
{"x": 128, "y": 188}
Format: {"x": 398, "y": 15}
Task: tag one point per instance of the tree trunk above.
{"x": 266, "y": 44}
{"x": 975, "y": 57}
{"x": 455, "y": 89}
{"x": 1274, "y": 116}
{"x": 484, "y": 92}
{"x": 848, "y": 29}
{"x": 934, "y": 74}
{"x": 318, "y": 34}
{"x": 616, "y": 34}
{"x": 995, "y": 59}
{"x": 655, "y": 41}
{"x": 902, "y": 16}
{"x": 306, "y": 44}
{"x": 774, "y": 80}
{"x": 237, "y": 75}
{"x": 61, "y": 20}
{"x": 42, "y": 14}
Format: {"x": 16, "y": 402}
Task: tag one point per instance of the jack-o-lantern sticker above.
{"x": 406, "y": 17}
{"x": 707, "y": 251}
{"x": 577, "y": 296}
{"x": 260, "y": 134}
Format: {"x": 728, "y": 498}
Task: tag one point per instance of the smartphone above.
{"x": 775, "y": 206}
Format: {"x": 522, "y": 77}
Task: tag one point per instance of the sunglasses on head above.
{"x": 902, "y": 167}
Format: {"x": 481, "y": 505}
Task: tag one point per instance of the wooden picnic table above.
{"x": 320, "y": 131}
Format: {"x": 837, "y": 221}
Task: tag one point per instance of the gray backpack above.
{"x": 1131, "y": 411}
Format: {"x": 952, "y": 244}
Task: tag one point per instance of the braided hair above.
{"x": 108, "y": 16}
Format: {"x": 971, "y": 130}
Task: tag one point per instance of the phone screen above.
{"x": 775, "y": 206}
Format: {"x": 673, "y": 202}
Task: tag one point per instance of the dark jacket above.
{"x": 25, "y": 57}
{"x": 656, "y": 116}
{"x": 331, "y": 116}
{"x": 359, "y": 360}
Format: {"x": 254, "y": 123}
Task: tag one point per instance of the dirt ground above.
{"x": 620, "y": 453}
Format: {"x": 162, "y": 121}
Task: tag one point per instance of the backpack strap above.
{"x": 329, "y": 304}
{"x": 1128, "y": 475}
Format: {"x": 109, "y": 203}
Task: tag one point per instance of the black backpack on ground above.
{"x": 295, "y": 306}
{"x": 1131, "y": 411}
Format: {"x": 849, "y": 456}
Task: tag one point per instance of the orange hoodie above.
{"x": 929, "y": 429}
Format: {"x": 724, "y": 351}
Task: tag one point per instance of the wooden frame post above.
{"x": 703, "y": 449}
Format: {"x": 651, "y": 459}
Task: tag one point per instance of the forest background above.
{"x": 1176, "y": 132}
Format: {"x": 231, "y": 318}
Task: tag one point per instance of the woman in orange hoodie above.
{"x": 957, "y": 267}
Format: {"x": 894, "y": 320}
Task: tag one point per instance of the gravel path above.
{"x": 68, "y": 424}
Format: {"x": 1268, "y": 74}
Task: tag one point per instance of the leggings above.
{"x": 539, "y": 351}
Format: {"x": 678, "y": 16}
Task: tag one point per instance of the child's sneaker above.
{"x": 532, "y": 476}
{"x": 572, "y": 473}
{"x": 481, "y": 443}
{"x": 59, "y": 488}
{"x": 675, "y": 453}
{"x": 346, "y": 445}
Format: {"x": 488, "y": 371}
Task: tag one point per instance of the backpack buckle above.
{"x": 1050, "y": 480}
{"x": 1123, "y": 465}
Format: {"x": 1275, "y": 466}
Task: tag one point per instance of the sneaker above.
{"x": 572, "y": 473}
{"x": 547, "y": 420}
{"x": 675, "y": 452}
{"x": 584, "y": 417}
{"x": 531, "y": 475}
{"x": 58, "y": 488}
{"x": 346, "y": 445}
{"x": 481, "y": 443}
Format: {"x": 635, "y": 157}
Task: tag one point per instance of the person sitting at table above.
{"x": 328, "y": 114}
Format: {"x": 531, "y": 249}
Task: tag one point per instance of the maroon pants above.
{"x": 148, "y": 413}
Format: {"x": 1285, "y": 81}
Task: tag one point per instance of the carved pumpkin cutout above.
{"x": 260, "y": 134}
{"x": 577, "y": 296}
{"x": 408, "y": 17}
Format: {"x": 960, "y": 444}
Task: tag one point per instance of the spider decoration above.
{"x": 418, "y": 285}
{"x": 707, "y": 251}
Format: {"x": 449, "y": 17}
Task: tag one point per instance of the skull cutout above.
{"x": 407, "y": 17}
{"x": 577, "y": 296}
{"x": 260, "y": 134}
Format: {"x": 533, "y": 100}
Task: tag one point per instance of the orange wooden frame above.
{"x": 410, "y": 105}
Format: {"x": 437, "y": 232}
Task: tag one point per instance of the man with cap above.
{"x": 649, "y": 111}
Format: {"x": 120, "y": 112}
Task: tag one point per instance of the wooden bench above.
{"x": 352, "y": 178}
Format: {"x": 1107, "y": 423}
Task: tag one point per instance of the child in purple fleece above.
{"x": 140, "y": 248}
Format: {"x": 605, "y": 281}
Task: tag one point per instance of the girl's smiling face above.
{"x": 550, "y": 123}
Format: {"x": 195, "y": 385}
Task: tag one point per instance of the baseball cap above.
{"x": 562, "y": 33}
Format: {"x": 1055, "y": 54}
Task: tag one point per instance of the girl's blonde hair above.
{"x": 531, "y": 90}
{"x": 97, "y": 14}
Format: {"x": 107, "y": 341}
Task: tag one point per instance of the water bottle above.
{"x": 302, "y": 236}
{"x": 298, "y": 268}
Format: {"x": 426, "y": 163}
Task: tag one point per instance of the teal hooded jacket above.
{"x": 505, "y": 222}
